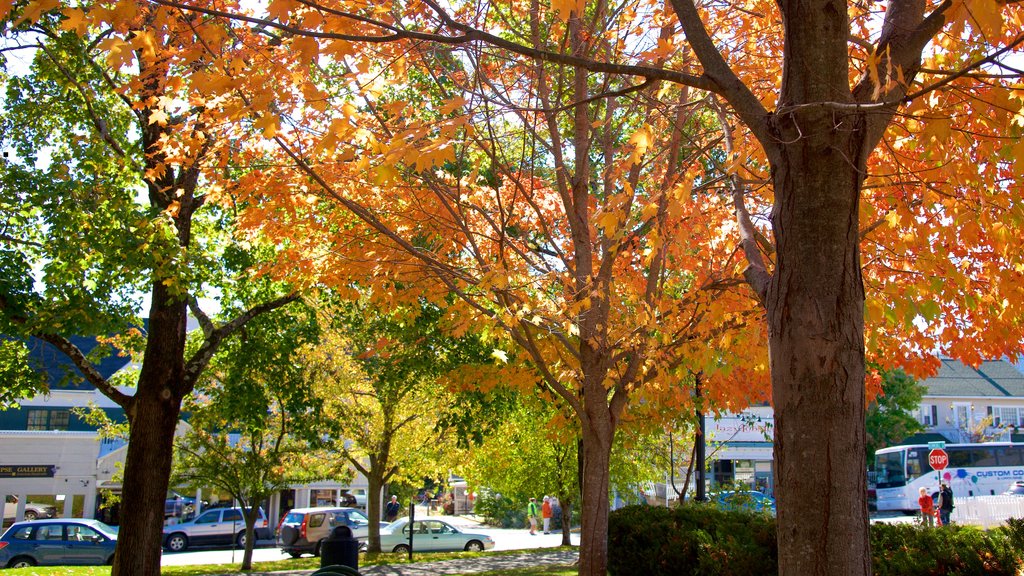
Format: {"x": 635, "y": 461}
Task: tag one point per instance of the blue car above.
{"x": 58, "y": 542}
{"x": 749, "y": 500}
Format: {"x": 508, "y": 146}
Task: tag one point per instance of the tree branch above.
{"x": 92, "y": 375}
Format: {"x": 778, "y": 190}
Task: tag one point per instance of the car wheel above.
{"x": 401, "y": 549}
{"x": 22, "y": 562}
{"x": 30, "y": 515}
{"x": 289, "y": 535}
{"x": 240, "y": 539}
{"x": 295, "y": 554}
{"x": 474, "y": 546}
{"x": 316, "y": 549}
{"x": 110, "y": 561}
{"x": 177, "y": 542}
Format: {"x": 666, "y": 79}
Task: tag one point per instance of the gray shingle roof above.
{"x": 996, "y": 378}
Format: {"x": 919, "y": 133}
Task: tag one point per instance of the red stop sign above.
{"x": 938, "y": 459}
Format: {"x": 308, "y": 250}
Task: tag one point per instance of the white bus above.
{"x": 974, "y": 470}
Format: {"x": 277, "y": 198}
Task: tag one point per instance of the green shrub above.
{"x": 500, "y": 511}
{"x": 694, "y": 539}
{"x": 705, "y": 541}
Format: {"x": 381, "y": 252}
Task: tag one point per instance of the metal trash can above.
{"x": 340, "y": 548}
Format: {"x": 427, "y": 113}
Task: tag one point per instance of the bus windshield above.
{"x": 890, "y": 469}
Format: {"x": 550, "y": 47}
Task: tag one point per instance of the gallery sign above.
{"x": 27, "y": 471}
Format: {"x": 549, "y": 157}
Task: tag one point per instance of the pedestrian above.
{"x": 545, "y": 512}
{"x": 392, "y": 508}
{"x": 945, "y": 504}
{"x": 531, "y": 515}
{"x": 927, "y": 508}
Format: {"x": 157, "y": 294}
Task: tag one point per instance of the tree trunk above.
{"x": 146, "y": 476}
{"x": 566, "y": 503}
{"x": 152, "y": 419}
{"x": 597, "y": 447}
{"x": 816, "y": 335}
{"x": 250, "y": 515}
{"x": 373, "y": 512}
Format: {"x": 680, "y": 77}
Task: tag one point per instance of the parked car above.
{"x": 59, "y": 542}
{"x": 216, "y": 526}
{"x": 303, "y": 529}
{"x": 178, "y": 505}
{"x": 431, "y": 534}
{"x": 33, "y": 511}
{"x": 1016, "y": 488}
{"x": 750, "y": 500}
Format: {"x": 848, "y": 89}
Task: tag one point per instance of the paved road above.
{"x": 266, "y": 551}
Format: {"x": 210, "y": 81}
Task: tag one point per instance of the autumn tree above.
{"x": 105, "y": 150}
{"x": 549, "y": 177}
{"x": 254, "y": 418}
{"x": 380, "y": 376}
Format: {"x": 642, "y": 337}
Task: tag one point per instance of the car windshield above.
{"x": 105, "y": 528}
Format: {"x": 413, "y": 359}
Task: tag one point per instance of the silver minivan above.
{"x": 214, "y": 526}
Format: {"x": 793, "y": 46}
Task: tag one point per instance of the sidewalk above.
{"x": 485, "y": 563}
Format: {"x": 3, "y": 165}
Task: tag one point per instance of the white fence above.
{"x": 987, "y": 511}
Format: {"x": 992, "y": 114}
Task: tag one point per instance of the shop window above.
{"x": 59, "y": 420}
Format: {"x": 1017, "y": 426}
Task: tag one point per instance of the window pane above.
{"x": 209, "y": 517}
{"x": 316, "y": 520}
{"x": 50, "y": 532}
{"x": 37, "y": 419}
{"x": 59, "y": 419}
{"x": 232, "y": 516}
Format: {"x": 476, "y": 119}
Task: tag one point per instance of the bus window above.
{"x": 1010, "y": 456}
{"x": 971, "y": 457}
{"x": 917, "y": 463}
{"x": 889, "y": 468}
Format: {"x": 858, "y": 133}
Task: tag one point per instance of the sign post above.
{"x": 939, "y": 461}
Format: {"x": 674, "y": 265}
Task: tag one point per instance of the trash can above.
{"x": 340, "y": 548}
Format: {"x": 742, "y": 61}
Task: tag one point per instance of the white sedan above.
{"x": 431, "y": 534}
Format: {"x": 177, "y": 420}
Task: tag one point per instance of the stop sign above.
{"x": 938, "y": 459}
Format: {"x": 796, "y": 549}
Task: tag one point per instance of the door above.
{"x": 206, "y": 528}
{"x": 49, "y": 547}
{"x": 86, "y": 547}
{"x": 233, "y": 524}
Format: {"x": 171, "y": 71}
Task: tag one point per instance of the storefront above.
{"x": 740, "y": 449}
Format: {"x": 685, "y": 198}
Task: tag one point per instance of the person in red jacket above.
{"x": 545, "y": 513}
{"x": 927, "y": 508}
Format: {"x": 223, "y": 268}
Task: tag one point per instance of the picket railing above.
{"x": 987, "y": 511}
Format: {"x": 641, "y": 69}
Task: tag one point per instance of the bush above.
{"x": 702, "y": 540}
{"x": 500, "y": 511}
{"x": 694, "y": 539}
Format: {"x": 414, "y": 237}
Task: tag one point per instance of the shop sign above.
{"x": 28, "y": 471}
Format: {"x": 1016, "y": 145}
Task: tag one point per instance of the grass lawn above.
{"x": 305, "y": 563}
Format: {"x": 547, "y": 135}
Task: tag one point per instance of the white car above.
{"x": 431, "y": 534}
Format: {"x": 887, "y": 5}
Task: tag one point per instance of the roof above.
{"x": 60, "y": 372}
{"x": 995, "y": 379}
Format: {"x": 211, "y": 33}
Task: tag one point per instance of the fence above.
{"x": 987, "y": 511}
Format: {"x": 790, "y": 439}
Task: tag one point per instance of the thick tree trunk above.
{"x": 250, "y": 531}
{"x": 597, "y": 447}
{"x": 566, "y": 503}
{"x": 816, "y": 333}
{"x": 152, "y": 418}
{"x": 146, "y": 476}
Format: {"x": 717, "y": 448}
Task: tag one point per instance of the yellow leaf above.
{"x": 74, "y": 21}
{"x": 565, "y": 8}
{"x": 268, "y": 123}
{"x": 641, "y": 140}
{"x": 158, "y": 117}
{"x": 36, "y": 9}
{"x": 987, "y": 14}
{"x": 452, "y": 104}
{"x": 500, "y": 355}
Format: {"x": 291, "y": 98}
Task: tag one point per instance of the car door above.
{"x": 48, "y": 545}
{"x": 206, "y": 527}
{"x": 233, "y": 523}
{"x": 85, "y": 546}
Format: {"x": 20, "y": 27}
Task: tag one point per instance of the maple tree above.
{"x": 380, "y": 375}
{"x": 109, "y": 153}
{"x": 254, "y": 419}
